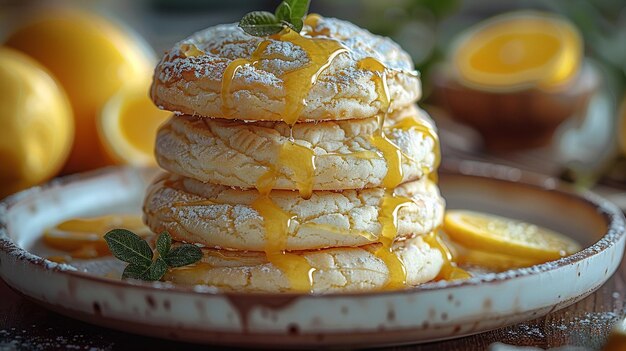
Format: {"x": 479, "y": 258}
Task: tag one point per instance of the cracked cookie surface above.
{"x": 223, "y": 217}
{"x": 347, "y": 269}
{"x": 191, "y": 84}
{"x": 237, "y": 154}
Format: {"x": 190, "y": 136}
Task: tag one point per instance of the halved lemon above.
{"x": 519, "y": 49}
{"x": 128, "y": 125}
{"x": 506, "y": 236}
{"x": 84, "y": 237}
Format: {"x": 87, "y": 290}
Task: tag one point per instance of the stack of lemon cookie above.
{"x": 299, "y": 161}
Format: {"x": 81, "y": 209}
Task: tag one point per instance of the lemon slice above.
{"x": 128, "y": 125}
{"x": 506, "y": 236}
{"x": 490, "y": 260}
{"x": 519, "y": 49}
{"x": 84, "y": 237}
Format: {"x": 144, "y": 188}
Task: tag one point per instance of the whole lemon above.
{"x": 36, "y": 119}
{"x": 92, "y": 58}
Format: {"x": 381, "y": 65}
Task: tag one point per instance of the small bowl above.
{"x": 517, "y": 119}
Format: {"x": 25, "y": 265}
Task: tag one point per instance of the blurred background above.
{"x": 540, "y": 86}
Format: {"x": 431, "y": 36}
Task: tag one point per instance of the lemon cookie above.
{"x": 347, "y": 269}
{"x": 330, "y": 71}
{"x": 332, "y": 155}
{"x": 221, "y": 216}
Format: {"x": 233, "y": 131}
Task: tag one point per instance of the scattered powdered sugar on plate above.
{"x": 596, "y": 324}
{"x": 498, "y": 346}
{"x": 37, "y": 338}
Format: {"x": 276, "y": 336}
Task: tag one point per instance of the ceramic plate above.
{"x": 430, "y": 312}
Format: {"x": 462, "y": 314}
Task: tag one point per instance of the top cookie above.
{"x": 222, "y": 72}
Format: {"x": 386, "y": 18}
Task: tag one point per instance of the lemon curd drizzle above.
{"x": 312, "y": 19}
{"x": 391, "y": 204}
{"x": 297, "y": 82}
{"x": 449, "y": 269}
{"x": 299, "y": 159}
{"x": 427, "y": 130}
{"x": 277, "y": 222}
{"x": 388, "y": 212}
{"x": 190, "y": 50}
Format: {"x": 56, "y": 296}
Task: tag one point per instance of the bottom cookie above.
{"x": 334, "y": 270}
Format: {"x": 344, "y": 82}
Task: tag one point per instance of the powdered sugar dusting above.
{"x": 224, "y": 43}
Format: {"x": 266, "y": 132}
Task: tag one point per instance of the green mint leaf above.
{"x": 129, "y": 247}
{"x": 283, "y": 12}
{"x": 183, "y": 255}
{"x": 288, "y": 24}
{"x": 156, "y": 271}
{"x": 297, "y": 24}
{"x": 153, "y": 272}
{"x": 164, "y": 243}
{"x": 299, "y": 9}
{"x": 260, "y": 24}
{"x": 134, "y": 271}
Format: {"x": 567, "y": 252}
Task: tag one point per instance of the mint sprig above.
{"x": 132, "y": 249}
{"x": 289, "y": 13}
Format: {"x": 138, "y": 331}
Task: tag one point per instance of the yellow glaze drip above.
{"x": 388, "y": 219}
{"x": 426, "y": 129}
{"x": 391, "y": 204}
{"x": 379, "y": 78}
{"x": 298, "y": 82}
{"x": 449, "y": 269}
{"x": 395, "y": 266}
{"x": 300, "y": 160}
{"x": 390, "y": 151}
{"x": 312, "y": 19}
{"x": 276, "y": 222}
{"x": 393, "y": 156}
{"x": 84, "y": 237}
{"x": 190, "y": 50}
{"x": 231, "y": 70}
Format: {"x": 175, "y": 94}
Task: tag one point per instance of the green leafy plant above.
{"x": 290, "y": 13}
{"x": 142, "y": 263}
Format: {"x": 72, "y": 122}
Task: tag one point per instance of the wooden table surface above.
{"x": 26, "y": 326}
